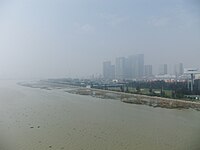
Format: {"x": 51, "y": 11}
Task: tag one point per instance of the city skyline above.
{"x": 44, "y": 39}
{"x": 134, "y": 67}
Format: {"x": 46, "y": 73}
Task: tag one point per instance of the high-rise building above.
{"x": 132, "y": 63}
{"x": 139, "y": 65}
{"x": 163, "y": 69}
{"x": 125, "y": 68}
{"x": 178, "y": 69}
{"x": 112, "y": 72}
{"x": 108, "y": 70}
{"x": 136, "y": 65}
{"x": 120, "y": 68}
{"x": 148, "y": 71}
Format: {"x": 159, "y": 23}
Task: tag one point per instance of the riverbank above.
{"x": 138, "y": 99}
{"x": 152, "y": 101}
{"x": 44, "y": 118}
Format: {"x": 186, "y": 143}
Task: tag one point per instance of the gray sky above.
{"x": 58, "y": 38}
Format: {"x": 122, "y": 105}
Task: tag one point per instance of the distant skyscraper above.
{"x": 136, "y": 66}
{"x": 178, "y": 69}
{"x": 163, "y": 69}
{"x": 120, "y": 68}
{"x": 125, "y": 68}
{"x": 139, "y": 65}
{"x": 112, "y": 72}
{"x": 148, "y": 70}
{"x": 108, "y": 70}
{"x": 132, "y": 68}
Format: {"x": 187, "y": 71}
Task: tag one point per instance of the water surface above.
{"x": 39, "y": 119}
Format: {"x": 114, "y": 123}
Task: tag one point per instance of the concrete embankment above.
{"x": 139, "y": 99}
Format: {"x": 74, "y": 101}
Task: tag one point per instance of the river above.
{"x": 39, "y": 119}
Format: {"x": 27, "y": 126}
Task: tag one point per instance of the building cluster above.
{"x": 131, "y": 67}
{"x": 178, "y": 69}
{"x": 134, "y": 68}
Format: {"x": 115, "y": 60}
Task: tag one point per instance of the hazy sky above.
{"x": 59, "y": 38}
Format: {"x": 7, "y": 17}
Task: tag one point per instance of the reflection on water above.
{"x": 52, "y": 119}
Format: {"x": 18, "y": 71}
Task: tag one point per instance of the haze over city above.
{"x": 99, "y": 74}
{"x": 41, "y": 39}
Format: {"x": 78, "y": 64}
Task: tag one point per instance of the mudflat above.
{"x": 35, "y": 118}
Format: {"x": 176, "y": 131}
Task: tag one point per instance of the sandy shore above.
{"x": 138, "y": 99}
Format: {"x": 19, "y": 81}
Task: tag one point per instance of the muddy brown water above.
{"x": 39, "y": 119}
